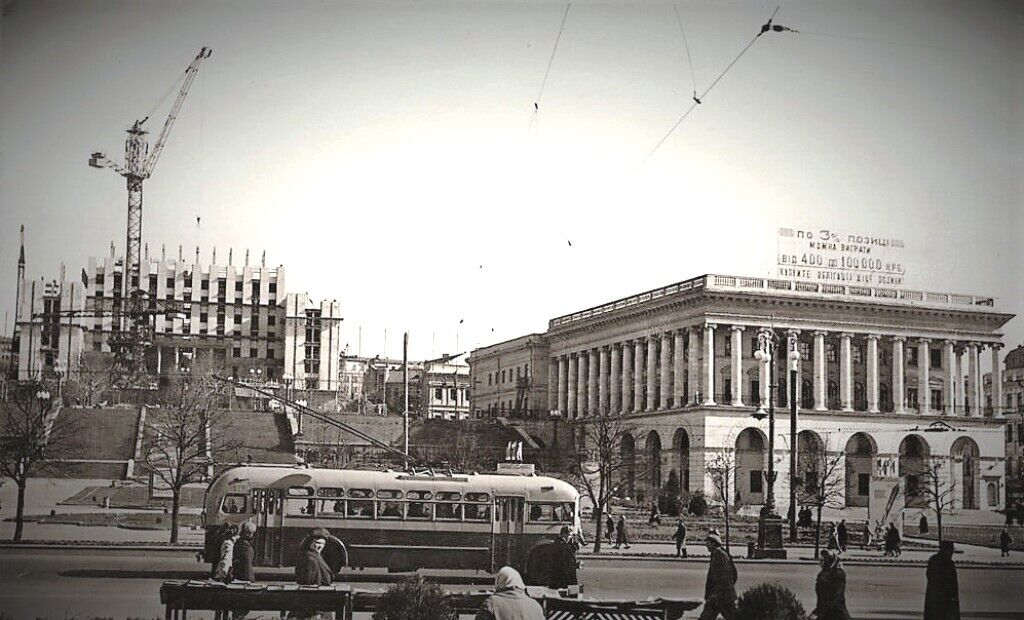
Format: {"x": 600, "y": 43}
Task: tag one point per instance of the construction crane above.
{"x": 136, "y": 332}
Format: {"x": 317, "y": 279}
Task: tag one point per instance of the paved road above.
{"x": 120, "y": 584}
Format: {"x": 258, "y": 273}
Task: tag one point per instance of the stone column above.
{"x": 693, "y": 365}
{"x": 845, "y": 372}
{"x": 602, "y": 381}
{"x": 872, "y": 383}
{"x": 737, "y": 365}
{"x": 709, "y": 364}
{"x": 563, "y": 368}
{"x": 924, "y": 393}
{"x": 627, "y": 377}
{"x": 571, "y": 402}
{"x": 899, "y": 391}
{"x": 974, "y": 403}
{"x": 552, "y": 384}
{"x": 960, "y": 391}
{"x": 678, "y": 368}
{"x": 593, "y": 378}
{"x": 997, "y": 380}
{"x": 820, "y": 373}
{"x": 665, "y": 391}
{"x": 581, "y": 384}
{"x": 764, "y": 378}
{"x": 638, "y": 375}
{"x": 615, "y": 381}
{"x": 652, "y": 372}
{"x": 949, "y": 397}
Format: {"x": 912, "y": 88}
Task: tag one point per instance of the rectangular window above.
{"x": 1009, "y": 433}
{"x": 170, "y": 282}
{"x": 252, "y": 352}
{"x": 271, "y": 320}
{"x": 912, "y": 356}
{"x": 233, "y": 504}
{"x": 936, "y": 400}
{"x": 452, "y": 394}
{"x": 935, "y": 358}
{"x": 805, "y": 350}
{"x": 503, "y": 376}
{"x": 270, "y": 354}
{"x": 863, "y": 484}
{"x": 236, "y": 352}
{"x": 417, "y": 506}
{"x": 437, "y": 393}
{"x": 830, "y": 353}
{"x": 205, "y": 285}
{"x": 755, "y": 481}
{"x": 447, "y": 507}
{"x": 360, "y": 504}
{"x": 727, "y": 346}
{"x": 858, "y": 354}
{"x": 238, "y": 286}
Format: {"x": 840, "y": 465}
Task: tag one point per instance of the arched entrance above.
{"x": 964, "y": 469}
{"x": 652, "y": 450}
{"x": 860, "y": 465}
{"x": 627, "y": 454}
{"x": 751, "y": 463}
{"x": 808, "y": 462}
{"x": 914, "y": 457}
{"x": 681, "y": 452}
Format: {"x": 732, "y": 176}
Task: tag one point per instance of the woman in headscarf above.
{"x": 509, "y": 601}
{"x": 830, "y": 588}
{"x": 310, "y": 567}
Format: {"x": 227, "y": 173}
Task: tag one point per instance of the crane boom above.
{"x": 190, "y": 76}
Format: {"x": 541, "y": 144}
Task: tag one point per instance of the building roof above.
{"x": 1015, "y": 358}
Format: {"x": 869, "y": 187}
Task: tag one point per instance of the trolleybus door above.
{"x": 507, "y": 544}
{"x": 267, "y": 507}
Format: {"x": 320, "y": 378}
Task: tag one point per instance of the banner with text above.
{"x": 835, "y": 257}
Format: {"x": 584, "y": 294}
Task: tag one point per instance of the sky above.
{"x": 390, "y": 156}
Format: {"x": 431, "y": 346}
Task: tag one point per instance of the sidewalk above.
{"x": 967, "y": 555}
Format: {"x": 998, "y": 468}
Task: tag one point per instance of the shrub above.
{"x": 414, "y": 599}
{"x": 769, "y": 601}
{"x": 698, "y": 504}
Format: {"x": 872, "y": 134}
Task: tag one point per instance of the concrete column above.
{"x": 899, "y": 390}
{"x": 602, "y": 382}
{"x": 709, "y": 364}
{"x": 960, "y": 390}
{"x": 737, "y": 365}
{"x": 627, "y": 377}
{"x": 593, "y": 378}
{"x": 552, "y": 384}
{"x": 638, "y": 374}
{"x": 974, "y": 403}
{"x": 872, "y": 383}
{"x": 997, "y": 381}
{"x": 820, "y": 373}
{"x": 949, "y": 397}
{"x": 615, "y": 380}
{"x": 581, "y": 384}
{"x": 652, "y": 373}
{"x": 764, "y": 378}
{"x": 571, "y": 402}
{"x": 563, "y": 368}
{"x": 693, "y": 364}
{"x": 845, "y": 373}
{"x": 665, "y": 389}
{"x": 678, "y": 368}
{"x": 924, "y": 393}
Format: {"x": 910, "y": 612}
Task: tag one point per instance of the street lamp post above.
{"x": 794, "y": 357}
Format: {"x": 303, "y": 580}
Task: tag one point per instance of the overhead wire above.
{"x": 767, "y": 27}
{"x": 689, "y": 56}
{"x": 551, "y": 60}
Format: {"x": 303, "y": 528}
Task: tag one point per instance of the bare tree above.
{"x": 34, "y": 435}
{"x": 721, "y": 467}
{"x": 936, "y": 486}
{"x": 184, "y": 434}
{"x": 823, "y": 483}
{"x": 94, "y": 377}
{"x": 598, "y": 463}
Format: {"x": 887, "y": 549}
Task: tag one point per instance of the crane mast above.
{"x": 136, "y": 328}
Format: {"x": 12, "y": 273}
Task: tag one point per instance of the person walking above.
{"x": 1004, "y": 543}
{"x": 833, "y": 537}
{"x": 563, "y": 573}
{"x": 942, "y": 594}
{"x": 621, "y": 536}
{"x": 830, "y": 589}
{"x": 922, "y": 525}
{"x": 720, "y": 587}
{"x": 868, "y": 541}
{"x": 842, "y": 536}
{"x": 609, "y": 527}
{"x": 655, "y": 518}
{"x": 509, "y": 601}
{"x": 222, "y": 572}
{"x": 680, "y": 537}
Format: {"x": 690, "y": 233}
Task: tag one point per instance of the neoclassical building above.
{"x": 877, "y": 368}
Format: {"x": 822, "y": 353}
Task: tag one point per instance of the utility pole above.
{"x": 792, "y": 447}
{"x": 405, "y": 407}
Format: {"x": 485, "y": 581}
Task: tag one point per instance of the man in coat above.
{"x": 242, "y": 562}
{"x": 942, "y": 595}
{"x": 563, "y": 571}
{"x": 830, "y": 589}
{"x": 720, "y": 588}
{"x": 842, "y": 535}
{"x": 621, "y": 536}
{"x": 680, "y": 537}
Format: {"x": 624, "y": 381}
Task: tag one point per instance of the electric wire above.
{"x": 686, "y": 46}
{"x": 551, "y": 60}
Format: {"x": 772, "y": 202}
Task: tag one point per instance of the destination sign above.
{"x": 839, "y": 257}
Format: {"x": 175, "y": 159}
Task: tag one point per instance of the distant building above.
{"x": 444, "y": 390}
{"x": 313, "y": 345}
{"x": 50, "y": 343}
{"x": 1011, "y": 409}
{"x": 505, "y": 381}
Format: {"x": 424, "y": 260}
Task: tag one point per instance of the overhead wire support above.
{"x": 767, "y": 27}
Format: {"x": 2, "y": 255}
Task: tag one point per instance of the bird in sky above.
{"x": 461, "y": 320}
{"x": 569, "y": 242}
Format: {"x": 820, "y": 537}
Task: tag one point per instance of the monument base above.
{"x": 769, "y": 538}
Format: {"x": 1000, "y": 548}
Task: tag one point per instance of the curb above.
{"x": 703, "y": 559}
{"x": 90, "y": 546}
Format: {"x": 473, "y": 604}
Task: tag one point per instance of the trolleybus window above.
{"x": 331, "y": 504}
{"x": 552, "y": 513}
{"x": 299, "y": 502}
{"x": 448, "y": 508}
{"x": 388, "y": 506}
{"x": 477, "y": 512}
{"x": 233, "y": 504}
{"x": 416, "y": 508}
{"x": 360, "y": 504}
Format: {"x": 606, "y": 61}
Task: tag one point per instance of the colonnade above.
{"x": 679, "y": 367}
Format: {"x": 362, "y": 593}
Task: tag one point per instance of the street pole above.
{"x": 769, "y": 504}
{"x": 405, "y": 407}
{"x": 792, "y": 451}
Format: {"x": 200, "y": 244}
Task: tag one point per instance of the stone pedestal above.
{"x": 769, "y": 538}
